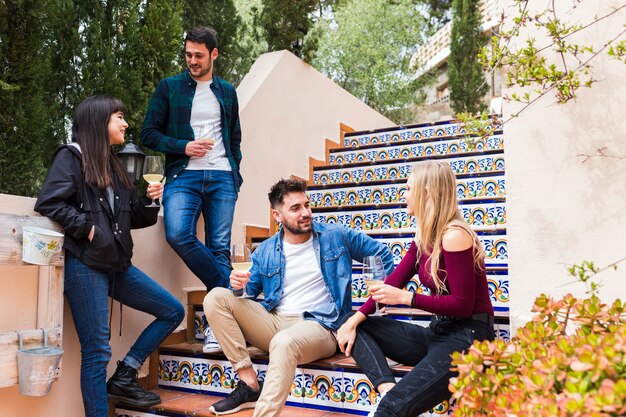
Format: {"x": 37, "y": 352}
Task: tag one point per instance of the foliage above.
{"x": 367, "y": 49}
{"x": 222, "y": 15}
{"x": 285, "y": 24}
{"x": 465, "y": 73}
{"x": 438, "y": 13}
{"x": 562, "y": 66}
{"x": 26, "y": 136}
{"x": 570, "y": 360}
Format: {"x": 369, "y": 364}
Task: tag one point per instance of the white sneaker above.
{"x": 375, "y": 406}
{"x": 210, "y": 344}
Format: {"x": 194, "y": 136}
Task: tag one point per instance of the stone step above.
{"x": 333, "y": 384}
{"x": 364, "y": 196}
{"x": 183, "y": 404}
{"x": 476, "y": 162}
{"x": 420, "y": 131}
{"x": 410, "y": 315}
{"x": 414, "y": 148}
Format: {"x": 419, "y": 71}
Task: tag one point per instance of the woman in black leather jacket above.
{"x": 89, "y": 193}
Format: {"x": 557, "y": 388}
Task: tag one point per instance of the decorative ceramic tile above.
{"x": 323, "y": 388}
{"x": 481, "y": 216}
{"x": 201, "y": 374}
{"x": 358, "y": 392}
{"x": 503, "y": 330}
{"x": 463, "y": 165}
{"x": 404, "y": 134}
{"x": 199, "y": 324}
{"x": 498, "y": 283}
{"x": 451, "y": 147}
{"x": 467, "y": 189}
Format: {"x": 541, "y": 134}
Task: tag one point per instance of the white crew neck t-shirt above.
{"x": 205, "y": 122}
{"x": 304, "y": 288}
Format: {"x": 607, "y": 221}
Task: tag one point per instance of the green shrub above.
{"x": 570, "y": 360}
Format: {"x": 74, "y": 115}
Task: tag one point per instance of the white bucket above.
{"x": 39, "y": 245}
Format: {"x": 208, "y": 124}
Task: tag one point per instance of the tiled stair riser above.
{"x": 331, "y": 388}
{"x": 451, "y": 147}
{"x": 466, "y": 188}
{"x": 409, "y": 133}
{"x": 494, "y": 244}
{"x": 400, "y": 170}
{"x": 483, "y": 216}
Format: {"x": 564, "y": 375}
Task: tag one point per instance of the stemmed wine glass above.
{"x": 241, "y": 262}
{"x": 153, "y": 173}
{"x": 373, "y": 274}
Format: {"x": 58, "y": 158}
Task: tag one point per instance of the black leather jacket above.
{"x": 66, "y": 199}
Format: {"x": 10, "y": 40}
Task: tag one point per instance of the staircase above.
{"x": 358, "y": 185}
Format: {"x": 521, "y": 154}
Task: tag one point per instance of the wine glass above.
{"x": 207, "y": 135}
{"x": 241, "y": 262}
{"x": 153, "y": 173}
{"x": 373, "y": 274}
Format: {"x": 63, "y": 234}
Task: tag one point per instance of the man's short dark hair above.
{"x": 203, "y": 34}
{"x": 282, "y": 188}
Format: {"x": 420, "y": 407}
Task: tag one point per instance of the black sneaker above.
{"x": 123, "y": 388}
{"x": 241, "y": 398}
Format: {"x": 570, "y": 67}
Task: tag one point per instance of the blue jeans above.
{"x": 213, "y": 194}
{"x": 87, "y": 292}
{"x": 427, "y": 349}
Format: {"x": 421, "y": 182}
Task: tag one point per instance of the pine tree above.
{"x": 234, "y": 60}
{"x": 285, "y": 24}
{"x": 465, "y": 73}
{"x": 25, "y": 131}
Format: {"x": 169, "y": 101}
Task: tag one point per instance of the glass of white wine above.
{"x": 241, "y": 262}
{"x": 153, "y": 173}
{"x": 373, "y": 274}
{"x": 206, "y": 134}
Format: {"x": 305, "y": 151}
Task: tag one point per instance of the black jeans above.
{"x": 427, "y": 349}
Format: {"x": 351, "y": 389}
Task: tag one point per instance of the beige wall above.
{"x": 562, "y": 210}
{"x": 287, "y": 109}
{"x": 18, "y": 310}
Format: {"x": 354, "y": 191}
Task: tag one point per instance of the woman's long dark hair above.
{"x": 90, "y": 130}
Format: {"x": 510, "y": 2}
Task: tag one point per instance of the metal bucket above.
{"x": 37, "y": 367}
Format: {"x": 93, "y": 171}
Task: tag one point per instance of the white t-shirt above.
{"x": 304, "y": 288}
{"x": 205, "y": 122}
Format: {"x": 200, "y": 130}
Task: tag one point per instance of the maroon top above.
{"x": 467, "y": 286}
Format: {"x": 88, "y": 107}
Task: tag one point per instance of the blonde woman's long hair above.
{"x": 433, "y": 188}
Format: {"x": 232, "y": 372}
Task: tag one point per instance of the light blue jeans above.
{"x": 213, "y": 194}
{"x": 87, "y": 291}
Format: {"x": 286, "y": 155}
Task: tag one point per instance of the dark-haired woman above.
{"x": 89, "y": 193}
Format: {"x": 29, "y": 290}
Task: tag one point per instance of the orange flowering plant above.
{"x": 569, "y": 361}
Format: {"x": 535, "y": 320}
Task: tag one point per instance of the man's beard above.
{"x": 296, "y": 229}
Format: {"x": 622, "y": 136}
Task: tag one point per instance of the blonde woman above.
{"x": 447, "y": 256}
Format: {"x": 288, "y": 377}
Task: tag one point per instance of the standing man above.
{"x": 193, "y": 118}
{"x": 305, "y": 273}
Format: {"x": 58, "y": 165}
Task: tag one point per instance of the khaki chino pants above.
{"x": 290, "y": 340}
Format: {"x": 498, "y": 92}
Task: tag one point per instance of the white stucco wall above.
{"x": 287, "y": 110}
{"x": 562, "y": 209}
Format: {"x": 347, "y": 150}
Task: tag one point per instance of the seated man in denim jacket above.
{"x": 305, "y": 273}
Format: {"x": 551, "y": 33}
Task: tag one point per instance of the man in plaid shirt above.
{"x": 193, "y": 118}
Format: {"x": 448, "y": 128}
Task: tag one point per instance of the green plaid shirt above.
{"x": 167, "y": 129}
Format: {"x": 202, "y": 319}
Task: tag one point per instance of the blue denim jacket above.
{"x": 335, "y": 247}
